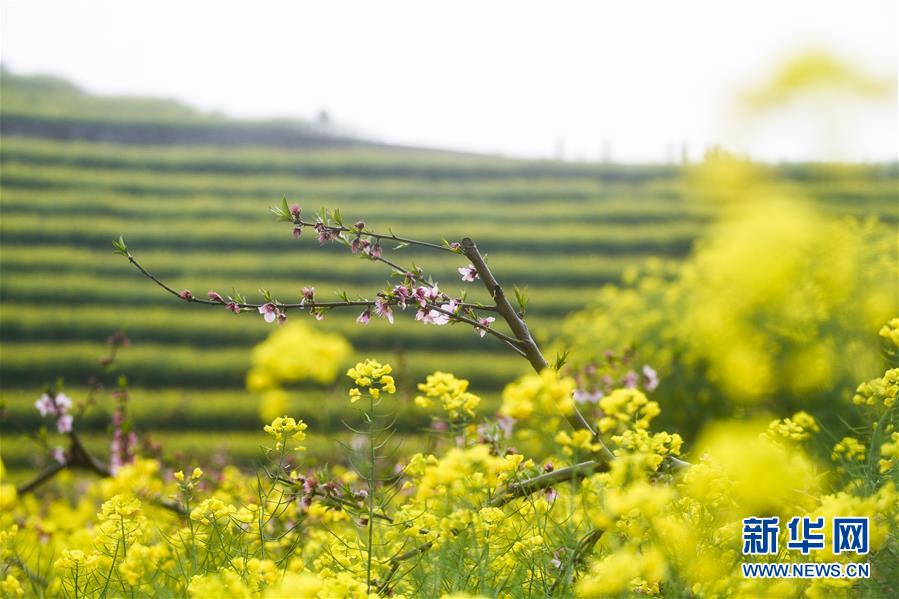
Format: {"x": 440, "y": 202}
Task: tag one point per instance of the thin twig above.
{"x": 285, "y": 306}
{"x": 343, "y": 229}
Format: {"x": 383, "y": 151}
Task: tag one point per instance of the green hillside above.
{"x": 190, "y": 193}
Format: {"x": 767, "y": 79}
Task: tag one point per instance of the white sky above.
{"x": 518, "y": 78}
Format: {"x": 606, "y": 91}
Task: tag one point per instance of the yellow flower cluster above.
{"x": 373, "y": 376}
{"x": 653, "y": 447}
{"x": 796, "y": 428}
{"x": 580, "y": 441}
{"x": 468, "y": 518}
{"x": 889, "y": 453}
{"x": 11, "y": 587}
{"x": 213, "y": 512}
{"x": 76, "y": 559}
{"x": 890, "y": 332}
{"x": 626, "y": 408}
{"x": 451, "y": 392}
{"x": 141, "y": 561}
{"x": 539, "y": 401}
{"x": 195, "y": 475}
{"x": 849, "y": 449}
{"x": 882, "y": 391}
{"x": 283, "y": 428}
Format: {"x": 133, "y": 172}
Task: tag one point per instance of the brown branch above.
{"x": 41, "y": 478}
{"x": 80, "y": 457}
{"x": 282, "y": 306}
{"x": 505, "y": 309}
{"x": 310, "y": 305}
{"x": 544, "y": 481}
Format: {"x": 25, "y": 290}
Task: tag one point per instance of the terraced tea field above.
{"x": 197, "y": 216}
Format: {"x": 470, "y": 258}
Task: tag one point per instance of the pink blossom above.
{"x": 325, "y": 234}
{"x": 360, "y": 225}
{"x": 269, "y": 312}
{"x": 455, "y": 246}
{"x": 64, "y": 423}
{"x": 551, "y": 494}
{"x": 630, "y": 380}
{"x": 216, "y": 297}
{"x": 440, "y": 318}
{"x": 295, "y": 211}
{"x": 469, "y": 273}
{"x": 485, "y": 323}
{"x": 421, "y": 296}
{"x": 428, "y": 316}
{"x": 402, "y": 293}
{"x": 115, "y": 452}
{"x": 506, "y": 424}
{"x": 308, "y": 294}
{"x": 582, "y": 396}
{"x": 650, "y": 378}
{"x": 63, "y": 402}
{"x": 45, "y": 405}
{"x": 382, "y": 309}
{"x": 364, "y": 317}
{"x": 186, "y": 295}
{"x": 297, "y": 231}
{"x": 318, "y": 314}
{"x": 233, "y": 307}
{"x": 59, "y": 454}
{"x": 375, "y": 250}
{"x": 359, "y": 244}
{"x": 282, "y": 317}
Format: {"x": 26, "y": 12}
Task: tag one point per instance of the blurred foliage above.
{"x": 774, "y": 311}
{"x": 293, "y": 353}
{"x": 814, "y": 72}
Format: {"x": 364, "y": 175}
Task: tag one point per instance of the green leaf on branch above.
{"x": 401, "y": 246}
{"x": 521, "y": 296}
{"x": 282, "y": 211}
{"x": 120, "y": 247}
{"x": 561, "y": 360}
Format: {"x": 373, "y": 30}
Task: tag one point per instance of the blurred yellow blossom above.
{"x": 451, "y": 392}
{"x": 296, "y": 352}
